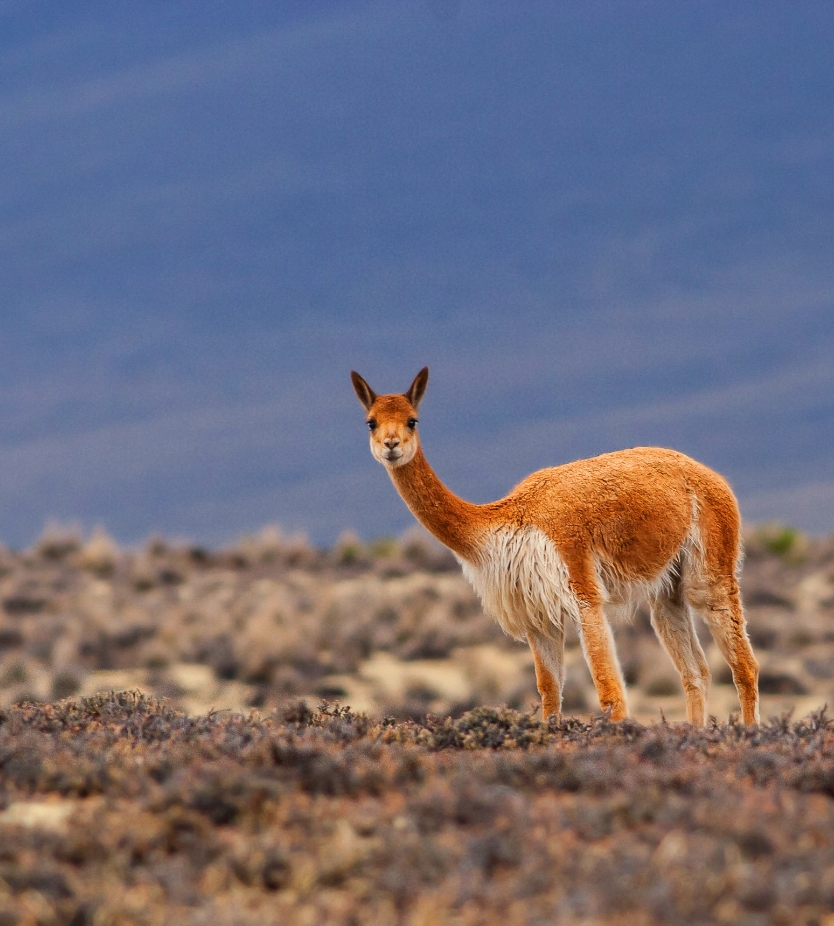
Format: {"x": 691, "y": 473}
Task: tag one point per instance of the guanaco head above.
{"x": 392, "y": 419}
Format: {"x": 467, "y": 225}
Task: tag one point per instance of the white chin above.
{"x": 385, "y": 460}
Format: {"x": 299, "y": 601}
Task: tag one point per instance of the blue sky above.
{"x": 600, "y": 225}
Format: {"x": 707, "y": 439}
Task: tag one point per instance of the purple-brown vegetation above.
{"x": 118, "y": 810}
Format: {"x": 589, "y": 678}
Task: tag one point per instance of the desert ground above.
{"x": 389, "y": 628}
{"x": 274, "y": 733}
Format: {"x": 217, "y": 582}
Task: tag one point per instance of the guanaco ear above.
{"x": 418, "y": 387}
{"x": 366, "y": 395}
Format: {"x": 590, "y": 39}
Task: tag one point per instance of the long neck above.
{"x": 456, "y": 523}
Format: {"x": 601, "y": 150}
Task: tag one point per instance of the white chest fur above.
{"x": 522, "y": 581}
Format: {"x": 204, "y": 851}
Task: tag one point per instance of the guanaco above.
{"x": 586, "y": 541}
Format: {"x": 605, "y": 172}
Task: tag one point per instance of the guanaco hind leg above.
{"x": 710, "y": 584}
{"x": 711, "y": 588}
{"x": 721, "y": 608}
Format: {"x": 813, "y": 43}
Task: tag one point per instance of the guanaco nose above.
{"x": 391, "y": 442}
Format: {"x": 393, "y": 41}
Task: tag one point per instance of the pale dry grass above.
{"x": 388, "y": 628}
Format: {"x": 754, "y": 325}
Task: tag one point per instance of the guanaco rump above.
{"x": 587, "y": 541}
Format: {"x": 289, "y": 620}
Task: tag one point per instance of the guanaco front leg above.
{"x": 549, "y": 660}
{"x": 598, "y": 646}
{"x": 595, "y": 634}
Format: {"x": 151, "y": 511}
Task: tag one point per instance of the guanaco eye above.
{"x": 372, "y": 425}
{"x": 412, "y": 423}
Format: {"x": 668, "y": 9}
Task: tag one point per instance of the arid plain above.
{"x": 232, "y": 785}
{"x": 389, "y": 628}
